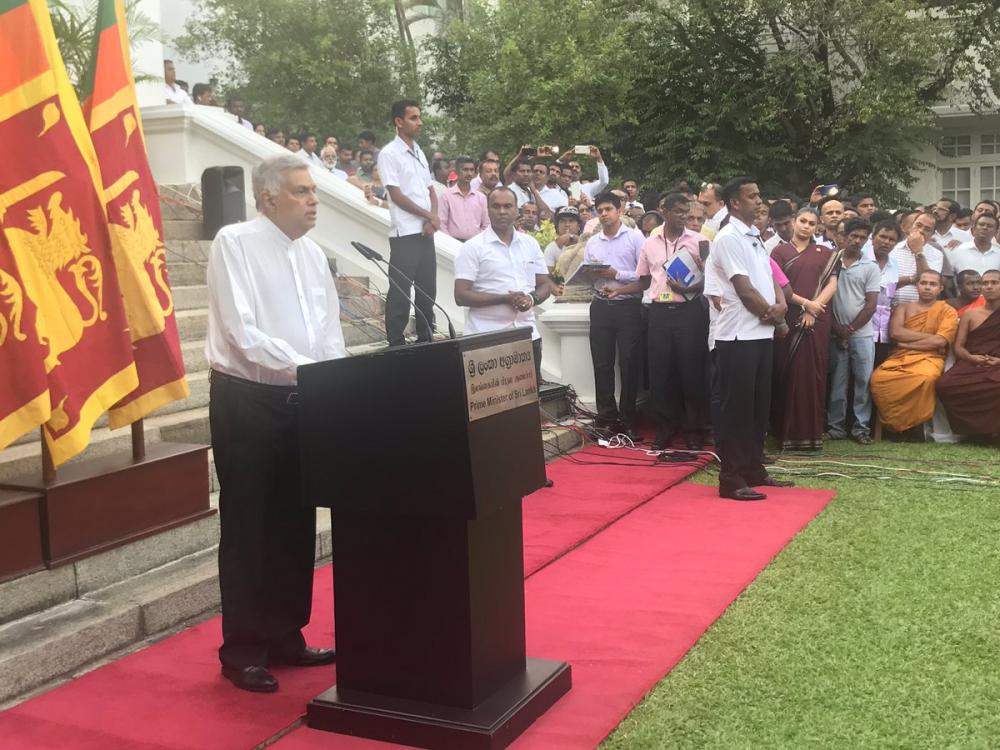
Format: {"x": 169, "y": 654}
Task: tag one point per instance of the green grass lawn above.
{"x": 878, "y": 626}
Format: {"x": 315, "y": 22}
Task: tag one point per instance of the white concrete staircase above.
{"x": 56, "y": 624}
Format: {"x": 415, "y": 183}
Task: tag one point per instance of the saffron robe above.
{"x": 903, "y": 386}
{"x": 970, "y": 393}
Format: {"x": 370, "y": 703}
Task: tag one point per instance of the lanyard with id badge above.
{"x": 683, "y": 269}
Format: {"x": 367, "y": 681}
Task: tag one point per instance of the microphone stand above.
{"x": 377, "y": 257}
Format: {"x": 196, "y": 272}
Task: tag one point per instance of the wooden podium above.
{"x": 424, "y": 453}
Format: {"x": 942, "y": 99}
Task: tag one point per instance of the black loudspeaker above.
{"x": 223, "y": 199}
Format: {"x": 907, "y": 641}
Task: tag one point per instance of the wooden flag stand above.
{"x": 96, "y": 504}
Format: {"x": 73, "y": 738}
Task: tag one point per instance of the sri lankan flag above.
{"x": 62, "y": 303}
{"x": 133, "y": 207}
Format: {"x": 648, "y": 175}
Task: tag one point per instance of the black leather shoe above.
{"x": 548, "y": 482}
{"x": 307, "y": 657}
{"x": 662, "y": 442}
{"x": 743, "y": 493}
{"x": 254, "y": 679}
{"x": 694, "y": 442}
{"x": 772, "y": 482}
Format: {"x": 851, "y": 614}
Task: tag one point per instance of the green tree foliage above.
{"x": 332, "y": 66}
{"x": 794, "y": 91}
{"x": 804, "y": 91}
{"x": 546, "y": 71}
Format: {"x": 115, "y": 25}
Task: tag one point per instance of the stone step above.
{"x": 42, "y": 649}
{"x": 72, "y": 618}
{"x": 187, "y": 273}
{"x": 180, "y": 230}
{"x": 48, "y": 588}
{"x": 187, "y": 251}
{"x": 190, "y": 297}
{"x": 193, "y": 352}
{"x": 24, "y": 459}
{"x": 176, "y": 208}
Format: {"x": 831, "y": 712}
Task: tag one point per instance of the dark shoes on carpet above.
{"x": 254, "y": 679}
{"x": 260, "y": 680}
{"x": 743, "y": 493}
{"x": 772, "y": 482}
{"x": 307, "y": 657}
{"x": 863, "y": 439}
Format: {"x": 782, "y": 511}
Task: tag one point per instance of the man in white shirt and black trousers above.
{"x": 413, "y": 211}
{"x": 273, "y": 306}
{"x": 751, "y": 305}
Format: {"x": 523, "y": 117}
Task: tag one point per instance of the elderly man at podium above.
{"x": 273, "y": 306}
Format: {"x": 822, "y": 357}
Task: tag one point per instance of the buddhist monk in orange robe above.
{"x": 970, "y": 391}
{"x": 922, "y": 331}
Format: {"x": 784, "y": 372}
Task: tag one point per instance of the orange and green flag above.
{"x": 56, "y": 248}
{"x": 111, "y": 111}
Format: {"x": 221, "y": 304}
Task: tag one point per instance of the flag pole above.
{"x": 138, "y": 441}
{"x": 48, "y": 469}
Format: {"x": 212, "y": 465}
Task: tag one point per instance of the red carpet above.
{"x": 622, "y": 608}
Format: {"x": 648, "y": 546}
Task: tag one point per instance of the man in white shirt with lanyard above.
{"x": 273, "y": 306}
{"x": 751, "y": 305}
{"x": 413, "y": 212}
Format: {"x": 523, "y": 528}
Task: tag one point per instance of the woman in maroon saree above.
{"x": 798, "y": 402}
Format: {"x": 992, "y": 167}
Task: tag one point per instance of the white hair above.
{"x": 268, "y": 175}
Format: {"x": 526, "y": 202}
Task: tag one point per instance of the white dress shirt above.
{"x": 592, "y": 188}
{"x": 495, "y": 268}
{"x": 906, "y": 265}
{"x": 312, "y": 158}
{"x": 176, "y": 94}
{"x": 739, "y": 251}
{"x": 968, "y": 257}
{"x": 272, "y": 304}
{"x": 772, "y": 242}
{"x": 554, "y": 197}
{"x": 523, "y": 196}
{"x": 716, "y": 220}
{"x": 952, "y": 238}
{"x": 405, "y": 168}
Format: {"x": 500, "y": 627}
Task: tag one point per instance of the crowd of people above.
{"x": 879, "y": 303}
{"x": 743, "y": 314}
{"x": 870, "y": 299}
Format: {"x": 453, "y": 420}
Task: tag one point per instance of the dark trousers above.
{"x": 536, "y": 348}
{"x": 744, "y": 377}
{"x": 616, "y": 329}
{"x": 678, "y": 346}
{"x": 267, "y": 549}
{"x": 414, "y": 256}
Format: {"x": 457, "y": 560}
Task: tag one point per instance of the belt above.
{"x": 289, "y": 393}
{"x": 674, "y": 305}
{"x": 606, "y": 301}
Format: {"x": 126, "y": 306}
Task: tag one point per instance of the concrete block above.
{"x": 194, "y": 356}
{"x": 36, "y": 591}
{"x": 191, "y": 426}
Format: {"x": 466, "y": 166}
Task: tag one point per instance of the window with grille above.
{"x": 956, "y": 183}
{"x": 956, "y": 145}
{"x": 989, "y": 143}
{"x": 989, "y": 183}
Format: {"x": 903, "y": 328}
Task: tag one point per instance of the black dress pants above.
{"x": 616, "y": 329}
{"x": 744, "y": 377}
{"x": 678, "y": 347}
{"x": 267, "y": 549}
{"x": 412, "y": 255}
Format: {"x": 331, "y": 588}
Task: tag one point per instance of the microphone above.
{"x": 376, "y": 257}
